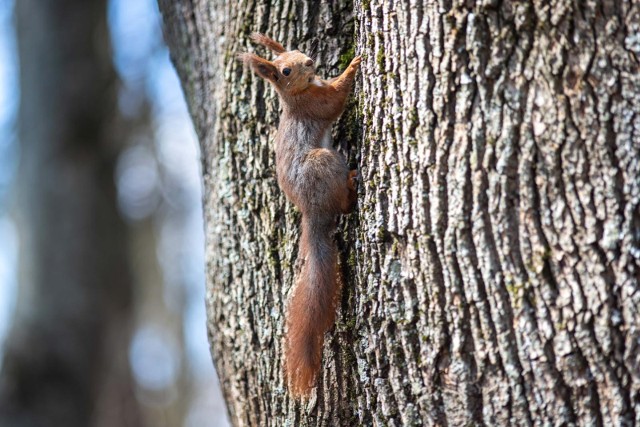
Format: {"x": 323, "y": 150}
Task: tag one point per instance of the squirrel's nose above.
{"x": 309, "y": 62}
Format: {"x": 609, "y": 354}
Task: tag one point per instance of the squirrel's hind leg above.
{"x": 352, "y": 188}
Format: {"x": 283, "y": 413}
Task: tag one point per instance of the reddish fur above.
{"x": 312, "y": 307}
{"x": 315, "y": 177}
{"x": 273, "y": 45}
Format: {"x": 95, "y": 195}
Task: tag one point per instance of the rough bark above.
{"x": 65, "y": 362}
{"x": 491, "y": 271}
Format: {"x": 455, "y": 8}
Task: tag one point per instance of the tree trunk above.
{"x": 491, "y": 272}
{"x": 66, "y": 360}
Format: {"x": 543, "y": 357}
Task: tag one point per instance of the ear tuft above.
{"x": 260, "y": 66}
{"x": 245, "y": 57}
{"x": 269, "y": 43}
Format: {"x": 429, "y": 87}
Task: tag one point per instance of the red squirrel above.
{"x": 315, "y": 177}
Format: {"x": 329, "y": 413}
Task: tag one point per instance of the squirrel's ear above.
{"x": 261, "y": 66}
{"x": 275, "y": 47}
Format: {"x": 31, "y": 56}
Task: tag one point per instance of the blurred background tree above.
{"x": 107, "y": 323}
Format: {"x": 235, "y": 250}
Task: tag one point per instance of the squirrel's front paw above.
{"x": 355, "y": 63}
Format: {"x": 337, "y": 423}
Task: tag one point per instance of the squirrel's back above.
{"x": 295, "y": 139}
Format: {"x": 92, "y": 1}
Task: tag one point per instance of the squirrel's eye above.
{"x": 286, "y": 71}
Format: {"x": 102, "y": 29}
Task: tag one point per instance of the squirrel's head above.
{"x": 290, "y": 72}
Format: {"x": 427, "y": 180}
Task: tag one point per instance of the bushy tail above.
{"x": 312, "y": 307}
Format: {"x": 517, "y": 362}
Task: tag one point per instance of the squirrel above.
{"x": 315, "y": 178}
